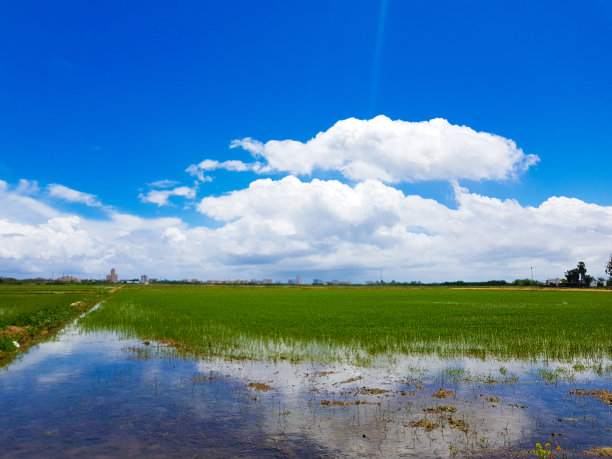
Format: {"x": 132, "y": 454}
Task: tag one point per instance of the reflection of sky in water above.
{"x": 90, "y": 394}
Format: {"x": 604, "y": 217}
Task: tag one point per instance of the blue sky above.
{"x": 106, "y": 99}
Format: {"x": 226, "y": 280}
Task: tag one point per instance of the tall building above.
{"x": 112, "y": 277}
{"x": 299, "y": 280}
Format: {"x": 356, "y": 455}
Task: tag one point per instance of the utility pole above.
{"x": 532, "y": 274}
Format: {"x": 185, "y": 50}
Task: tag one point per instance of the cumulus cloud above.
{"x": 320, "y": 224}
{"x": 68, "y": 194}
{"x": 318, "y": 228}
{"x": 162, "y": 197}
{"x": 58, "y": 238}
{"x": 394, "y": 151}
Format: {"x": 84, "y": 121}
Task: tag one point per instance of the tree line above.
{"x": 578, "y": 276}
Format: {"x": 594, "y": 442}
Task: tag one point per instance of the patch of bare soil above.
{"x": 323, "y": 373}
{"x": 14, "y": 330}
{"x": 366, "y": 391}
{"x": 204, "y": 378}
{"x": 516, "y": 405}
{"x": 605, "y": 451}
{"x": 343, "y": 403}
{"x": 259, "y": 386}
{"x": 603, "y": 395}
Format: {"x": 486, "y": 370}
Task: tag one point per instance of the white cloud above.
{"x": 68, "y": 194}
{"x": 326, "y": 225}
{"x": 27, "y": 187}
{"x": 279, "y": 228}
{"x": 58, "y": 238}
{"x": 197, "y": 170}
{"x": 161, "y": 197}
{"x": 174, "y": 234}
{"x": 393, "y": 151}
{"x": 165, "y": 183}
{"x": 21, "y": 207}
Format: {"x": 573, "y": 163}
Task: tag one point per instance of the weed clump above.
{"x": 427, "y": 425}
{"x": 441, "y": 409}
{"x": 443, "y": 393}
{"x": 459, "y": 424}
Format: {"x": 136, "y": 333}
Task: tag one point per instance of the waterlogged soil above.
{"x": 98, "y": 395}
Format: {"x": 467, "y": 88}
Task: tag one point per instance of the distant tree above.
{"x": 609, "y": 267}
{"x": 526, "y": 282}
{"x": 573, "y": 276}
{"x": 579, "y": 276}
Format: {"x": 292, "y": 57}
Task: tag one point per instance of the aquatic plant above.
{"x": 544, "y": 452}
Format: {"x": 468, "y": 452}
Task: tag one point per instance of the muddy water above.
{"x": 97, "y": 395}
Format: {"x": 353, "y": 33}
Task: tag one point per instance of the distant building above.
{"x": 299, "y": 280}
{"x": 317, "y": 282}
{"x": 112, "y": 277}
{"x": 556, "y": 282}
{"x": 68, "y": 279}
{"x": 144, "y": 279}
{"x": 229, "y": 282}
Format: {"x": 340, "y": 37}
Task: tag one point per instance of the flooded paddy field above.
{"x": 112, "y": 393}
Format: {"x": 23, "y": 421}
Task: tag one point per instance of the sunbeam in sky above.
{"x": 377, "y": 54}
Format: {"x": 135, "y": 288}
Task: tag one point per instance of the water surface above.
{"x": 97, "y": 394}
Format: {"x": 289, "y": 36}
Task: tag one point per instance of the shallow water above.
{"x": 97, "y": 394}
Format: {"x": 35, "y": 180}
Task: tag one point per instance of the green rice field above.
{"x": 29, "y": 311}
{"x": 358, "y": 324}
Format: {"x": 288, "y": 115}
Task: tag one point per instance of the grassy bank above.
{"x": 355, "y": 324}
{"x": 28, "y": 313}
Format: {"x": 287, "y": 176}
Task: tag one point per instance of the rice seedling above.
{"x": 359, "y": 324}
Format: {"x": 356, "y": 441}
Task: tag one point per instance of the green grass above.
{"x": 357, "y": 324}
{"x": 37, "y": 309}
